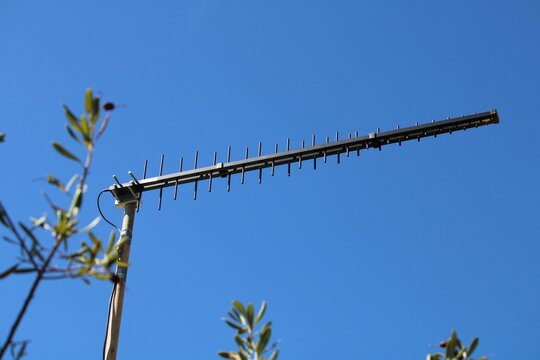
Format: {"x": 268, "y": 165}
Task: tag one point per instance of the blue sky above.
{"x": 379, "y": 257}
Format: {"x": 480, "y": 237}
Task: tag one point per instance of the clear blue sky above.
{"x": 379, "y": 257}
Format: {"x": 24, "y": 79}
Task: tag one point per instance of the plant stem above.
{"x": 30, "y": 295}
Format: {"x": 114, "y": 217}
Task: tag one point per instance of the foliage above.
{"x": 56, "y": 260}
{"x": 252, "y": 344}
{"x": 454, "y": 350}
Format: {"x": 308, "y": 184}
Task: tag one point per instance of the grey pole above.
{"x": 117, "y": 297}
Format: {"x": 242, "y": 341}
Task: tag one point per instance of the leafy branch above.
{"x": 455, "y": 350}
{"x": 55, "y": 261}
{"x": 252, "y": 344}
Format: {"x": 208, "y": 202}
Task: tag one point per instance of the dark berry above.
{"x": 108, "y": 106}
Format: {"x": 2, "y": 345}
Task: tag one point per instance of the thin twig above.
{"x": 13, "y": 229}
{"x": 30, "y": 296}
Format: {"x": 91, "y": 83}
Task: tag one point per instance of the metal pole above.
{"x": 117, "y": 297}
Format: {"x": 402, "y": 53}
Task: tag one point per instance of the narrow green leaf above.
{"x": 95, "y": 111}
{"x": 65, "y": 152}
{"x": 236, "y": 312}
{"x": 72, "y": 134}
{"x": 233, "y": 316}
{"x": 274, "y": 355}
{"x": 242, "y": 355}
{"x": 229, "y": 355}
{"x": 55, "y": 182}
{"x": 240, "y": 341}
{"x": 76, "y": 203}
{"x": 102, "y": 276}
{"x": 263, "y": 340}
{"x": 95, "y": 240}
{"x": 266, "y": 326}
{"x": 261, "y": 312}
{"x": 249, "y": 315}
{"x": 473, "y": 346}
{"x": 72, "y": 119}
{"x": 112, "y": 237}
{"x": 238, "y": 305}
{"x": 85, "y": 129}
{"x": 88, "y": 100}
{"x": 233, "y": 325}
{"x": 451, "y": 345}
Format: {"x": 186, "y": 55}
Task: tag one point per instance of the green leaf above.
{"x": 95, "y": 111}
{"x": 268, "y": 325}
{"x": 76, "y": 203}
{"x": 72, "y": 134}
{"x": 451, "y": 345}
{"x": 238, "y": 305}
{"x": 233, "y": 325}
{"x": 54, "y": 181}
{"x": 84, "y": 128}
{"x": 112, "y": 238}
{"x": 260, "y": 315}
{"x": 249, "y": 315}
{"x": 88, "y": 100}
{"x": 234, "y": 316}
{"x": 102, "y": 276}
{"x": 95, "y": 240}
{"x": 229, "y": 355}
{"x": 65, "y": 152}
{"x": 72, "y": 119}
{"x": 240, "y": 341}
{"x": 263, "y": 340}
{"x": 274, "y": 355}
{"x": 473, "y": 346}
